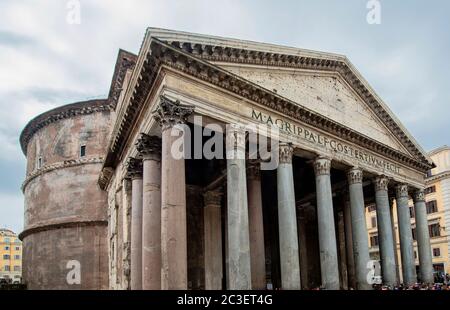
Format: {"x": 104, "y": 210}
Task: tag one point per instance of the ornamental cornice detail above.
{"x": 355, "y": 176}
{"x": 60, "y": 165}
{"x": 401, "y": 191}
{"x": 381, "y": 183}
{"x": 322, "y": 166}
{"x": 61, "y": 114}
{"x": 162, "y": 53}
{"x": 245, "y": 56}
{"x": 439, "y": 176}
{"x": 134, "y": 168}
{"x": 149, "y": 147}
{"x": 285, "y": 153}
{"x": 212, "y": 198}
{"x": 419, "y": 196}
{"x": 170, "y": 113}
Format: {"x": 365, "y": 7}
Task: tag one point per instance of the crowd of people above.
{"x": 415, "y": 287}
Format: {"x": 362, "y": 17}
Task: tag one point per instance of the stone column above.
{"x": 423, "y": 238}
{"x": 406, "y": 239}
{"x": 385, "y": 233}
{"x": 349, "y": 244}
{"x": 134, "y": 167}
{"x": 342, "y": 250}
{"x": 394, "y": 237}
{"x": 213, "y": 240}
{"x": 171, "y": 116}
{"x": 256, "y": 227}
{"x": 359, "y": 228}
{"x": 325, "y": 215}
{"x": 149, "y": 148}
{"x": 239, "y": 270}
{"x": 287, "y": 221}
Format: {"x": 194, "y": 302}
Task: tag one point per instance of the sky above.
{"x": 47, "y": 60}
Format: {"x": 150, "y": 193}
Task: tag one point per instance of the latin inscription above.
{"x": 325, "y": 142}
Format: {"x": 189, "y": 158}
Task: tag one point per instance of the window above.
{"x": 372, "y": 208}
{"x": 17, "y": 248}
{"x": 432, "y": 207}
{"x": 431, "y": 189}
{"x": 374, "y": 240}
{"x": 415, "y": 255}
{"x": 83, "y": 151}
{"x": 414, "y": 233}
{"x": 411, "y": 212}
{"x": 7, "y": 240}
{"x": 39, "y": 162}
{"x": 6, "y": 248}
{"x": 16, "y": 268}
{"x": 7, "y": 268}
{"x": 6, "y": 257}
{"x": 373, "y": 221}
{"x": 436, "y": 252}
{"x": 16, "y": 256}
{"x": 434, "y": 230}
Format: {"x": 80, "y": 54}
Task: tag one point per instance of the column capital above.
{"x": 285, "y": 153}
{"x": 322, "y": 165}
{"x": 170, "y": 113}
{"x": 401, "y": 190}
{"x": 212, "y": 198}
{"x": 381, "y": 183}
{"x": 355, "y": 175}
{"x": 419, "y": 195}
{"x": 235, "y": 137}
{"x": 134, "y": 168}
{"x": 253, "y": 169}
{"x": 149, "y": 147}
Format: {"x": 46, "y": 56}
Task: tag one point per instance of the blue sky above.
{"x": 46, "y": 62}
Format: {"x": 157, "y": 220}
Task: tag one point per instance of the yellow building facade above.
{"x": 438, "y": 209}
{"x": 10, "y": 256}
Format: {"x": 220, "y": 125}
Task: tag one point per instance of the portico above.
{"x": 229, "y": 223}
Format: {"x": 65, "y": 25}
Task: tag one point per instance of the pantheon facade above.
{"x": 106, "y": 198}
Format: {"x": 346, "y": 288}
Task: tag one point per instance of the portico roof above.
{"x": 198, "y": 55}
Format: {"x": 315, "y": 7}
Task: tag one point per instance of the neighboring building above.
{"x": 437, "y": 197}
{"x": 438, "y": 205}
{"x": 104, "y": 190}
{"x": 10, "y": 256}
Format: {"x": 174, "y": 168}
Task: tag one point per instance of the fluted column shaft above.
{"x": 172, "y": 116}
{"x": 385, "y": 233}
{"x": 325, "y": 215}
{"x": 256, "y": 227}
{"x": 359, "y": 229}
{"x": 135, "y": 173}
{"x": 423, "y": 238}
{"x": 149, "y": 148}
{"x": 239, "y": 266}
{"x": 213, "y": 240}
{"x": 287, "y": 221}
{"x": 406, "y": 239}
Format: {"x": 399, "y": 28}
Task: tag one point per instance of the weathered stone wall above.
{"x": 65, "y": 210}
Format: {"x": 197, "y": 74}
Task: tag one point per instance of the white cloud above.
{"x": 11, "y": 210}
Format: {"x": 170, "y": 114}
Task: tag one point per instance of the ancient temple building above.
{"x": 106, "y": 185}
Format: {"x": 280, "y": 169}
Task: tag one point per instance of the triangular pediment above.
{"x": 325, "y": 93}
{"x": 320, "y": 89}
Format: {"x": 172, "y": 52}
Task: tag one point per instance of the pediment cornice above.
{"x": 319, "y": 62}
{"x": 181, "y": 56}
